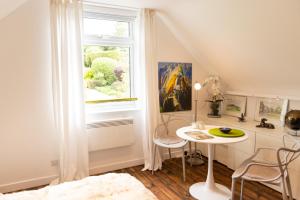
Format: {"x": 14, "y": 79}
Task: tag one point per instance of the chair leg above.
{"x": 289, "y": 188}
{"x": 170, "y": 153}
{"x": 284, "y": 196}
{"x": 233, "y": 185}
{"x": 191, "y": 154}
{"x": 183, "y": 164}
{"x": 242, "y": 188}
{"x": 154, "y": 155}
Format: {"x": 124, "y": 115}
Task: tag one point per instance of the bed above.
{"x": 111, "y": 186}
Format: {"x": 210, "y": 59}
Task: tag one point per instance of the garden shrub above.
{"x": 93, "y": 52}
{"x": 102, "y": 71}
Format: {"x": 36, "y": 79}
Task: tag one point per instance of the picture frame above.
{"x": 175, "y": 86}
{"x": 273, "y": 109}
{"x": 234, "y": 105}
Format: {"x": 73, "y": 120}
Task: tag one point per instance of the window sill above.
{"x": 111, "y": 100}
{"x": 111, "y": 107}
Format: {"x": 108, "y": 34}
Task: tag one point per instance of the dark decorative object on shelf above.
{"x": 292, "y": 121}
{"x": 263, "y": 124}
{"x": 242, "y": 118}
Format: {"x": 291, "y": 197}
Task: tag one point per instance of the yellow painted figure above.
{"x": 174, "y": 86}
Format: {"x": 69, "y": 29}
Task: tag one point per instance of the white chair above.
{"x": 261, "y": 168}
{"x": 165, "y": 136}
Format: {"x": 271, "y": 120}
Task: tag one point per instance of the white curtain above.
{"x": 66, "y": 20}
{"x": 151, "y": 113}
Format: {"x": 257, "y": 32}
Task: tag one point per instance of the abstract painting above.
{"x": 234, "y": 105}
{"x": 175, "y": 86}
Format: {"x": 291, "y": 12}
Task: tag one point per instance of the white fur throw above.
{"x": 112, "y": 186}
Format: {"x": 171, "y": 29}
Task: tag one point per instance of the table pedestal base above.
{"x": 202, "y": 191}
{"x": 195, "y": 161}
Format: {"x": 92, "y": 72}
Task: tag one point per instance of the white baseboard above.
{"x": 35, "y": 182}
{"x": 115, "y": 166}
{"x": 29, "y": 183}
{"x": 40, "y": 181}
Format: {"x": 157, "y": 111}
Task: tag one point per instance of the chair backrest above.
{"x": 287, "y": 154}
{"x": 170, "y": 125}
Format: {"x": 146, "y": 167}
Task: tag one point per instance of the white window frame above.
{"x": 114, "y": 14}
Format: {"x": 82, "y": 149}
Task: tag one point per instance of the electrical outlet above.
{"x": 54, "y": 163}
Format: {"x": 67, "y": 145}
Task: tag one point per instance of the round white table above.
{"x": 209, "y": 189}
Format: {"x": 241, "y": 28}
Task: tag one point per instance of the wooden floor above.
{"x": 167, "y": 184}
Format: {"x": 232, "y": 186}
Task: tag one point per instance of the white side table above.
{"x": 209, "y": 190}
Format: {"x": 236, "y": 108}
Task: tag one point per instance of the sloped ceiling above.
{"x": 253, "y": 45}
{"x": 8, "y": 6}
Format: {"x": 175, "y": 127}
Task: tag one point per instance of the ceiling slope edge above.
{"x": 186, "y": 43}
{"x": 7, "y": 7}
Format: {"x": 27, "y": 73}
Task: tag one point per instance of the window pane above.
{"x": 105, "y": 28}
{"x": 106, "y": 72}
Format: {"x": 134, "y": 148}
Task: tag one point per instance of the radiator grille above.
{"x": 109, "y": 123}
{"x": 110, "y": 134}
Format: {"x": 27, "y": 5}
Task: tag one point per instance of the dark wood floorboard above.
{"x": 167, "y": 183}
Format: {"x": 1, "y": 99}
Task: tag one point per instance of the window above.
{"x": 108, "y": 56}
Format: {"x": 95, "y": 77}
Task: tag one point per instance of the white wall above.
{"x": 172, "y": 50}
{"x": 28, "y": 142}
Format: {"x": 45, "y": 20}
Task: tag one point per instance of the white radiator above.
{"x": 110, "y": 134}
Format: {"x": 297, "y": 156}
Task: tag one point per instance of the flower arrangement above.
{"x": 215, "y": 95}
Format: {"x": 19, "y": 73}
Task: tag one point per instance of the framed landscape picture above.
{"x": 175, "y": 86}
{"x": 273, "y": 109}
{"x": 234, "y": 105}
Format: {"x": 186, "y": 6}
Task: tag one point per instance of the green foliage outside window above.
{"x": 106, "y": 70}
{"x": 93, "y": 52}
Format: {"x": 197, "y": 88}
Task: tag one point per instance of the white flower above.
{"x": 215, "y": 89}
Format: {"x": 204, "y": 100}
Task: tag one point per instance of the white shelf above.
{"x": 258, "y": 137}
{"x": 247, "y": 125}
